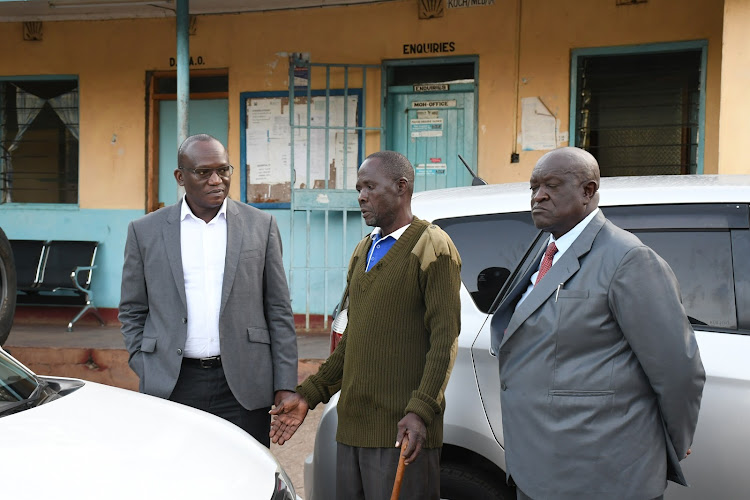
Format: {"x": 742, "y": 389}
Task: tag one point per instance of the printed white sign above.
{"x": 427, "y": 127}
{"x": 431, "y": 169}
{"x": 434, "y": 104}
{"x": 432, "y": 87}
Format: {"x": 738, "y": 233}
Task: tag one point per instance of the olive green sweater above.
{"x": 400, "y": 343}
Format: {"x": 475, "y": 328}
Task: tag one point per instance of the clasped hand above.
{"x": 411, "y": 426}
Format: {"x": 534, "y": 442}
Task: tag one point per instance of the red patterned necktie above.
{"x": 546, "y": 261}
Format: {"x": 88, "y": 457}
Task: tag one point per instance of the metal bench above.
{"x": 49, "y": 273}
{"x": 29, "y": 257}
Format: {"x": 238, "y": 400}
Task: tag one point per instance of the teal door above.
{"x": 432, "y": 129}
{"x": 207, "y": 116}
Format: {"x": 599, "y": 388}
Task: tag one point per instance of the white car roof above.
{"x": 614, "y": 191}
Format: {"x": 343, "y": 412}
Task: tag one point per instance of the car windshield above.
{"x": 17, "y": 384}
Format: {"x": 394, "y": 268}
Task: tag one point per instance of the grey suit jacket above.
{"x": 256, "y": 327}
{"x": 601, "y": 382}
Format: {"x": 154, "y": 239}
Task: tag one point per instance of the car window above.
{"x": 702, "y": 262}
{"x": 696, "y": 241}
{"x": 16, "y": 383}
{"x": 490, "y": 247}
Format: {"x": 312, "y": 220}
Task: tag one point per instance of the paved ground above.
{"x": 97, "y": 353}
{"x": 292, "y": 455}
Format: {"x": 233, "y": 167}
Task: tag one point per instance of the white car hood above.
{"x": 92, "y": 444}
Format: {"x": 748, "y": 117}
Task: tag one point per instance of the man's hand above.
{"x": 280, "y": 396}
{"x": 688, "y": 452}
{"x": 412, "y": 427}
{"x": 289, "y": 414}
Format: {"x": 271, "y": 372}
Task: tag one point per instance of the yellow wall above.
{"x": 735, "y": 83}
{"x": 111, "y": 59}
{"x": 549, "y": 34}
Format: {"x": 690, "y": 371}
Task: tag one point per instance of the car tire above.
{"x": 7, "y": 287}
{"x": 462, "y": 482}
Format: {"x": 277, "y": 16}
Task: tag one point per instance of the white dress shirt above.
{"x": 204, "y": 250}
{"x": 563, "y": 243}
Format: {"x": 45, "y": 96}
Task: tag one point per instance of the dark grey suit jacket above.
{"x": 256, "y": 327}
{"x": 602, "y": 381}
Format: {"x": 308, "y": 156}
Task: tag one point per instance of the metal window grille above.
{"x": 39, "y": 132}
{"x": 638, "y": 114}
{"x": 330, "y": 123}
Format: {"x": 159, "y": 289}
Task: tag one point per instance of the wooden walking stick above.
{"x": 400, "y": 470}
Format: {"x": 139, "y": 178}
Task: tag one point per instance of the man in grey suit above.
{"x": 205, "y": 308}
{"x": 601, "y": 378}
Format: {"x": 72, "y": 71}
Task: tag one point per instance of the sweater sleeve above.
{"x": 317, "y": 388}
{"x": 440, "y": 278}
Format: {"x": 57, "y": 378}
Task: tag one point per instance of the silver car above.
{"x": 699, "y": 224}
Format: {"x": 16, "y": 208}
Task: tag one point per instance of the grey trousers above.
{"x": 368, "y": 474}
{"x": 520, "y": 495}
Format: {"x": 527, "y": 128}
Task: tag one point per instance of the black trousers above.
{"x": 369, "y": 473}
{"x": 207, "y": 389}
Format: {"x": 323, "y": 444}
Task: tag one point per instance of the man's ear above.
{"x": 590, "y": 189}
{"x": 403, "y": 185}
{"x": 178, "y": 176}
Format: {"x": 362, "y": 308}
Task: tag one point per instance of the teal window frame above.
{"x": 702, "y": 45}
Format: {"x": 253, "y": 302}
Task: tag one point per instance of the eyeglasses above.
{"x": 224, "y": 172}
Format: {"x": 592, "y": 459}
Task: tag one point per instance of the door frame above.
{"x": 152, "y": 124}
{"x": 389, "y": 64}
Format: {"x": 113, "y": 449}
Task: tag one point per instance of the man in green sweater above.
{"x": 398, "y": 349}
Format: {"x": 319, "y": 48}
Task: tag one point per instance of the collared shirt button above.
{"x": 179, "y": 352}
{"x": 184, "y": 321}
{"x": 503, "y": 386}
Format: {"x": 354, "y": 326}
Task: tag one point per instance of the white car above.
{"x": 64, "y": 438}
{"x": 699, "y": 224}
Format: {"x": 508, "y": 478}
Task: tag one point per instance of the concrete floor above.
{"x": 97, "y": 353}
{"x": 292, "y": 455}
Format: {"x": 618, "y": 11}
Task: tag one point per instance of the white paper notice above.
{"x": 268, "y": 147}
{"x": 426, "y": 127}
{"x": 256, "y": 144}
{"x": 259, "y": 113}
{"x": 537, "y": 125}
{"x": 352, "y": 145}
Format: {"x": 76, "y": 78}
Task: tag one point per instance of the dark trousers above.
{"x": 207, "y": 389}
{"x": 368, "y": 474}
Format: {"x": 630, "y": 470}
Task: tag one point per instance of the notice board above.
{"x": 267, "y": 146}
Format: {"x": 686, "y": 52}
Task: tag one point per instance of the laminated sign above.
{"x": 426, "y": 127}
{"x": 431, "y": 169}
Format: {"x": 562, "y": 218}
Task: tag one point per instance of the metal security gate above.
{"x": 328, "y": 122}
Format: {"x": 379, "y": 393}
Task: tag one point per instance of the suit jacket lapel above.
{"x": 173, "y": 246}
{"x": 560, "y": 273}
{"x": 234, "y": 244}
